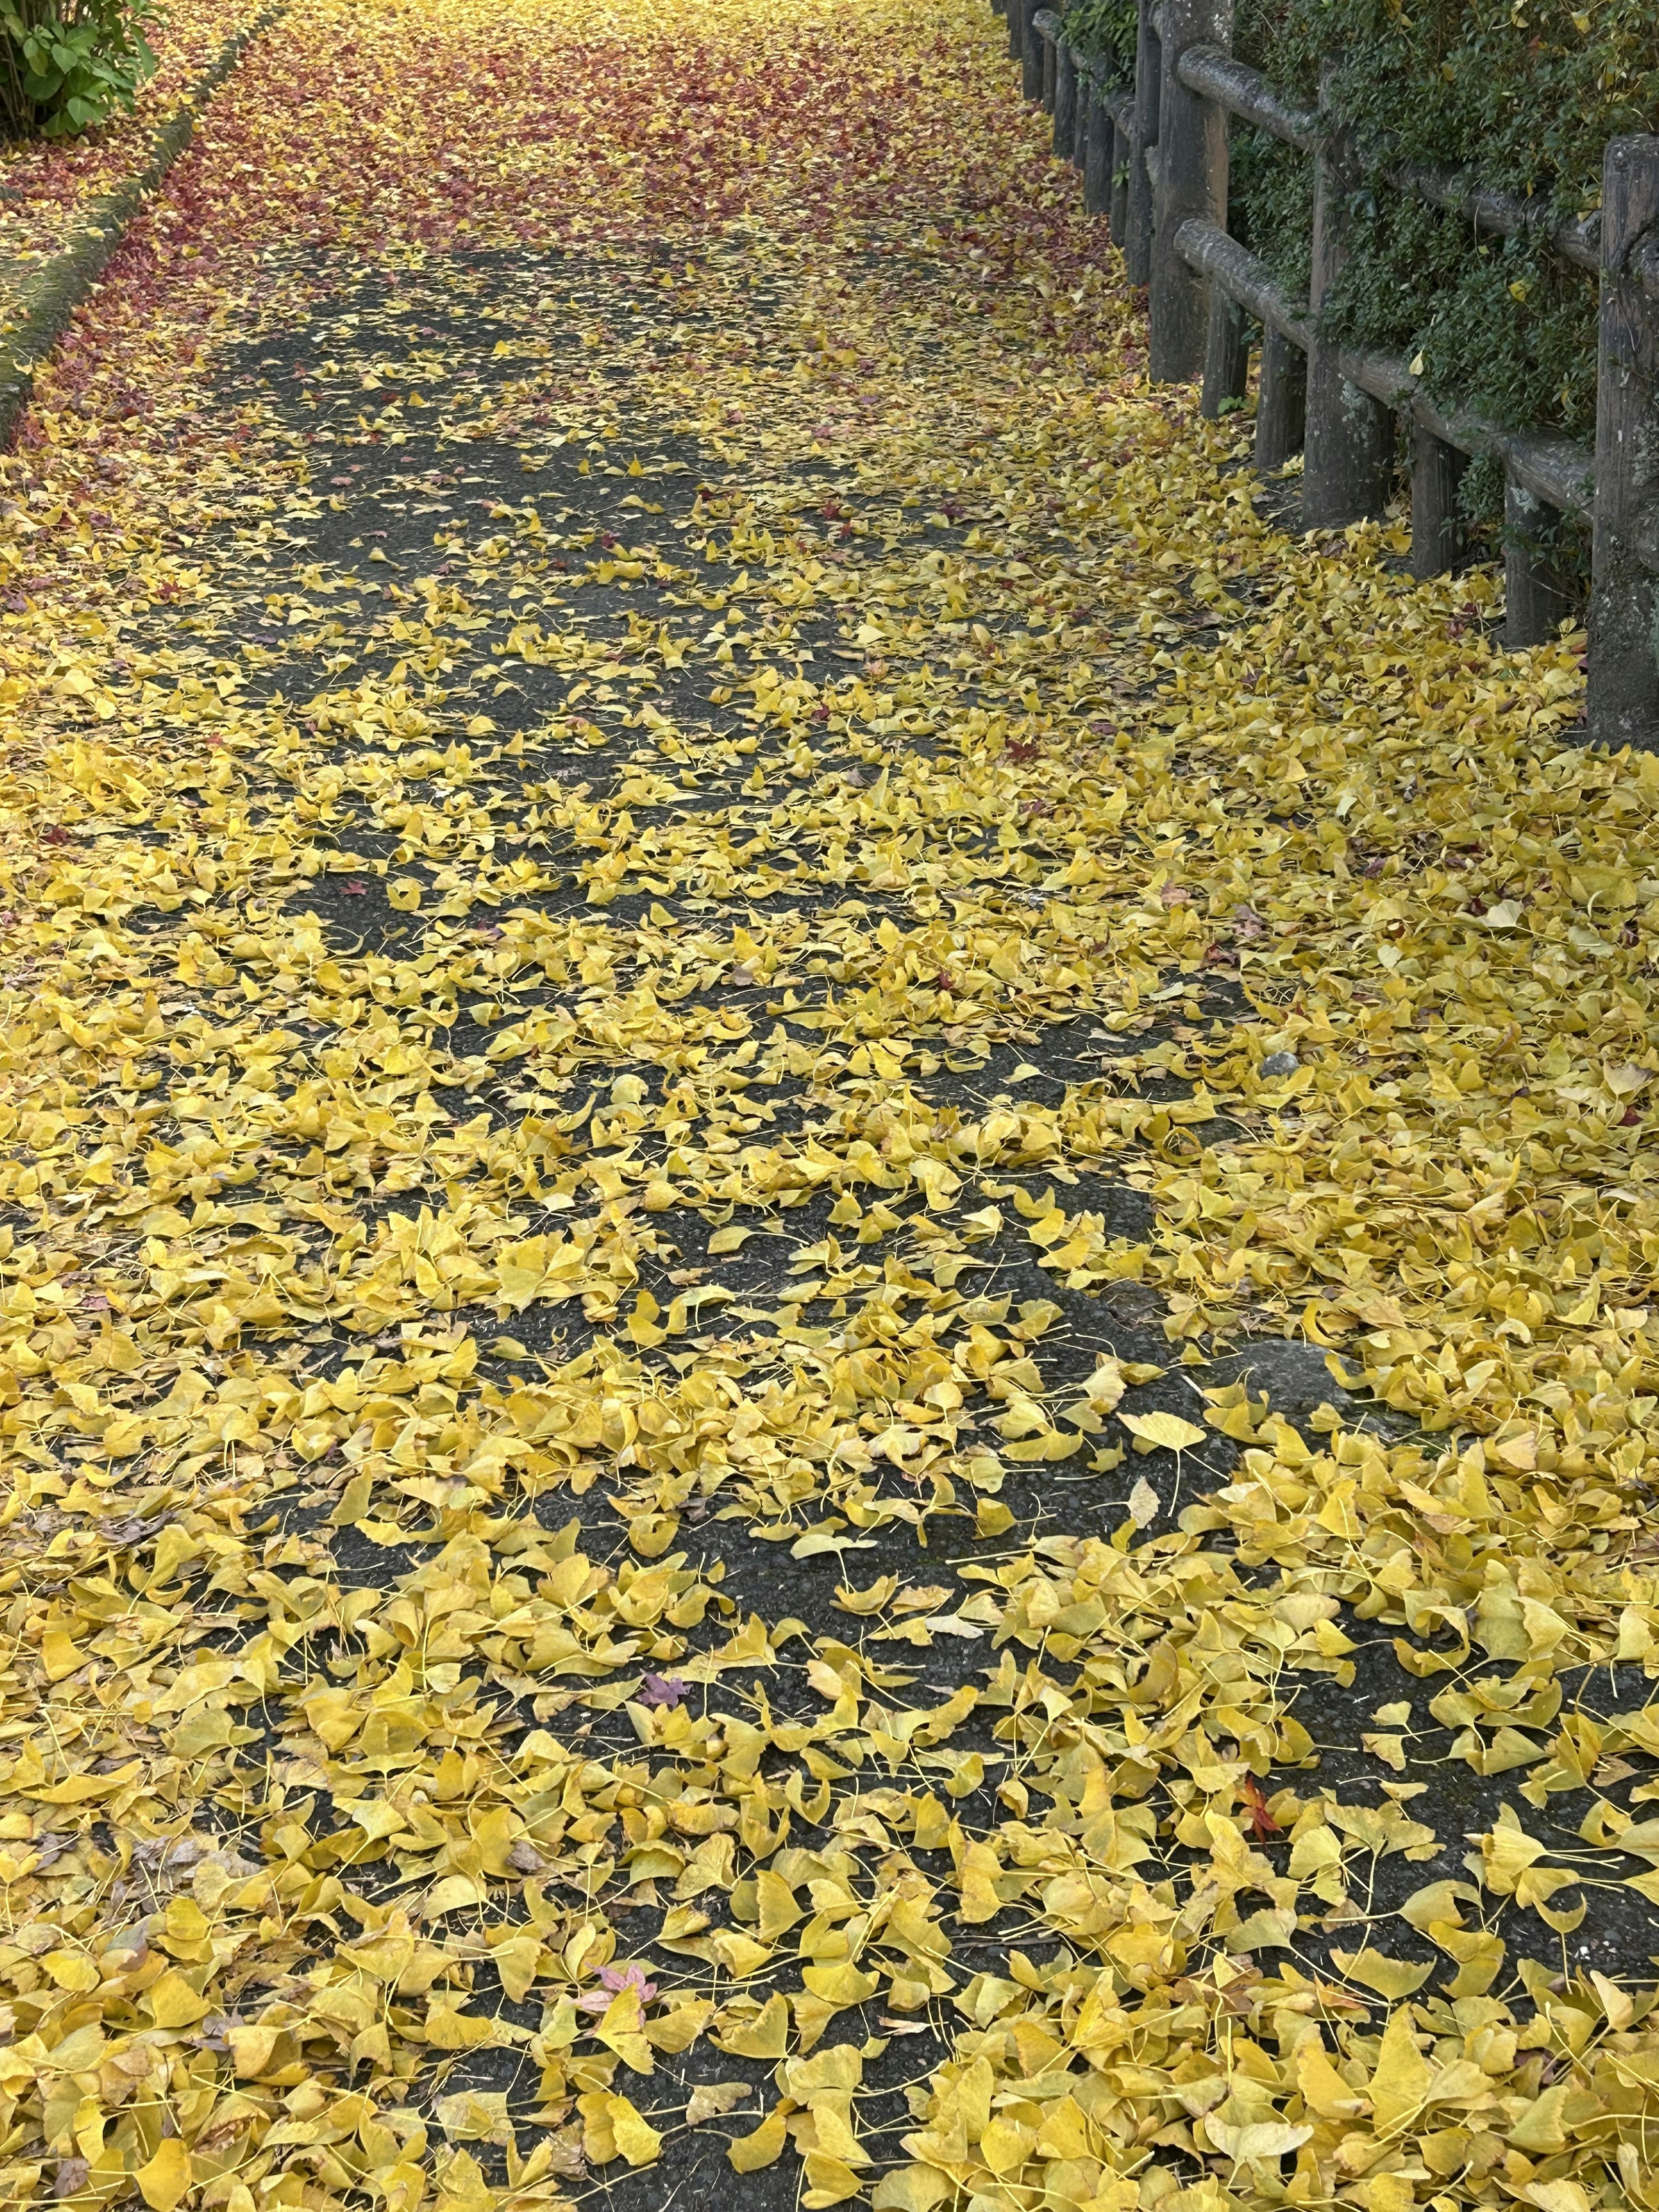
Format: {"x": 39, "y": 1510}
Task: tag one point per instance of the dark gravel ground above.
{"x": 432, "y": 499}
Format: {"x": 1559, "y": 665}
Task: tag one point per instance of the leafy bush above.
{"x": 1105, "y": 31}
{"x": 1270, "y": 204}
{"x": 1525, "y": 94}
{"x": 65, "y": 68}
{"x": 1531, "y": 90}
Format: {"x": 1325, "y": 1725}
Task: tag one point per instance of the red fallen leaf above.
{"x": 1631, "y": 1117}
{"x": 1022, "y": 749}
{"x": 54, "y": 835}
{"x": 662, "y": 1690}
{"x": 612, "y": 1981}
{"x": 607, "y": 540}
{"x": 354, "y": 888}
{"x": 1259, "y": 1822}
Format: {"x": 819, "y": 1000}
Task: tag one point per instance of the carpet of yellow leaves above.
{"x": 621, "y": 1493}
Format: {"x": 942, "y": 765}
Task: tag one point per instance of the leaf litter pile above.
{"x": 826, "y": 1234}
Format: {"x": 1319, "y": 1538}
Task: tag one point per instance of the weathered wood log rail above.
{"x": 1153, "y": 157}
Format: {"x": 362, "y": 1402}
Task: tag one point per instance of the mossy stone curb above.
{"x": 57, "y": 289}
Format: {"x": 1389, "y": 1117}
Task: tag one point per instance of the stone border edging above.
{"x": 58, "y": 287}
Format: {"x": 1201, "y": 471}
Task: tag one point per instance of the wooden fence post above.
{"x": 1065, "y": 99}
{"x": 1050, "y": 93}
{"x": 1119, "y": 155}
{"x": 1437, "y": 524}
{"x": 1191, "y": 180}
{"x": 1034, "y": 50}
{"x": 1536, "y": 601}
{"x": 1351, "y": 438}
{"x": 1017, "y": 11}
{"x": 1083, "y": 100}
{"x": 1097, "y": 159}
{"x": 1281, "y": 405}
{"x": 1149, "y": 76}
{"x": 1226, "y": 354}
{"x": 1623, "y": 682}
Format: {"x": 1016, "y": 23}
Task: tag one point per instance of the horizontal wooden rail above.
{"x": 1245, "y": 92}
{"x": 1105, "y": 81}
{"x": 1578, "y": 240}
{"x": 1553, "y": 470}
{"x": 1047, "y": 24}
{"x": 1206, "y": 247}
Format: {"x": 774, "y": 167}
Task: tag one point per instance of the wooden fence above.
{"x": 1154, "y": 156}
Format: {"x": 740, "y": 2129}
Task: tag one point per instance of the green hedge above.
{"x": 1525, "y": 94}
{"x": 1104, "y": 30}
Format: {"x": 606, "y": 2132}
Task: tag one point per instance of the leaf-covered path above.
{"x": 827, "y": 1229}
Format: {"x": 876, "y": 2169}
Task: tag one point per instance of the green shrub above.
{"x": 1530, "y": 90}
{"x": 1270, "y": 204}
{"x": 1525, "y": 95}
{"x": 1104, "y": 30}
{"x": 65, "y": 68}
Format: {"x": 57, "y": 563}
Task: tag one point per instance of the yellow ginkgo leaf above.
{"x": 1391, "y": 1978}
{"x": 766, "y": 2035}
{"x": 637, "y": 2140}
{"x": 763, "y": 2146}
{"x": 1162, "y": 1431}
{"x": 164, "y": 2180}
